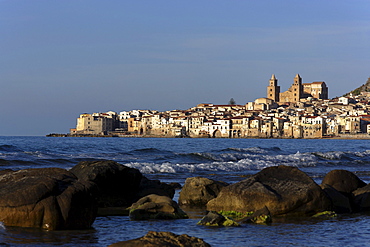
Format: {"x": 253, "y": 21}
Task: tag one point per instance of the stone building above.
{"x": 95, "y": 124}
{"x": 297, "y": 90}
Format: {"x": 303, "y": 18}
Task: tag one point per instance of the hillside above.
{"x": 363, "y": 88}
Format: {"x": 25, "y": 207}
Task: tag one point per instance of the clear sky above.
{"x": 59, "y": 59}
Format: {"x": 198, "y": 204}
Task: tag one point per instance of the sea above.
{"x": 174, "y": 160}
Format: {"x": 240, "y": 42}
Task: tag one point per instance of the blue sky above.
{"x": 59, "y": 59}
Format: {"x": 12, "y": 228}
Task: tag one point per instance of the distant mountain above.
{"x": 364, "y": 88}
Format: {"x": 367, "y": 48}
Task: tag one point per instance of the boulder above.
{"x": 156, "y": 207}
{"x": 215, "y": 219}
{"x": 197, "y": 191}
{"x": 341, "y": 203}
{"x": 117, "y": 184}
{"x": 261, "y": 216}
{"x": 148, "y": 187}
{"x": 343, "y": 181}
{"x": 284, "y": 190}
{"x": 160, "y": 239}
{"x": 362, "y": 198}
{"x": 48, "y": 198}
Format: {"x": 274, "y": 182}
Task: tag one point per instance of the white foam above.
{"x": 251, "y": 162}
{"x": 362, "y": 154}
{"x": 334, "y": 155}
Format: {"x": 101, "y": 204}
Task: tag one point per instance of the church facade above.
{"x": 297, "y": 90}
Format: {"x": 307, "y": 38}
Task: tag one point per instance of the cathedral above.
{"x": 297, "y": 90}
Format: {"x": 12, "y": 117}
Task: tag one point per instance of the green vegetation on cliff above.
{"x": 363, "y": 88}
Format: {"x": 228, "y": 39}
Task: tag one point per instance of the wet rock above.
{"x": 261, "y": 216}
{"x": 215, "y": 219}
{"x": 343, "y": 181}
{"x": 48, "y": 198}
{"x": 117, "y": 184}
{"x": 148, "y": 187}
{"x": 156, "y": 207}
{"x": 341, "y": 203}
{"x": 325, "y": 214}
{"x": 197, "y": 191}
{"x": 362, "y": 198}
{"x": 2, "y": 172}
{"x": 284, "y": 190}
{"x": 176, "y": 186}
{"x": 160, "y": 239}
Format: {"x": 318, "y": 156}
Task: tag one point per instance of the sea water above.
{"x": 175, "y": 159}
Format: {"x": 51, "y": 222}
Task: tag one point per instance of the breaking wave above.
{"x": 251, "y": 162}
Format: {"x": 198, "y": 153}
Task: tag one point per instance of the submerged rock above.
{"x": 156, "y": 207}
{"x": 160, "y": 239}
{"x": 215, "y": 219}
{"x": 284, "y": 190}
{"x": 197, "y": 191}
{"x": 325, "y": 214}
{"x": 48, "y": 198}
{"x": 261, "y": 216}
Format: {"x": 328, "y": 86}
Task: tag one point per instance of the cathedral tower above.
{"x": 297, "y": 88}
{"x": 273, "y": 90}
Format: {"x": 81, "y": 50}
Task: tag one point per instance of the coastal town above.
{"x": 303, "y": 111}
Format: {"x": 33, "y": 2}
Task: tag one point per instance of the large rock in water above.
{"x": 341, "y": 203}
{"x": 160, "y": 239}
{"x": 197, "y": 191}
{"x": 343, "y": 181}
{"x": 156, "y": 207}
{"x": 117, "y": 184}
{"x": 48, "y": 198}
{"x": 283, "y": 190}
{"x": 148, "y": 187}
{"x": 362, "y": 198}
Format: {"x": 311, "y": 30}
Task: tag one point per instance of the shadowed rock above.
{"x": 197, "y": 191}
{"x": 216, "y": 219}
{"x": 283, "y": 190}
{"x": 341, "y": 202}
{"x": 343, "y": 181}
{"x": 362, "y": 198}
{"x": 117, "y": 184}
{"x": 48, "y": 198}
{"x": 261, "y": 216}
{"x": 160, "y": 239}
{"x": 148, "y": 187}
{"x": 156, "y": 207}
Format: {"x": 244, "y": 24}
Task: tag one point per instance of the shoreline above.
{"x": 339, "y": 137}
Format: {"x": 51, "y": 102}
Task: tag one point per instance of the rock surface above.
{"x": 156, "y": 207}
{"x": 48, "y": 198}
{"x": 343, "y": 181}
{"x": 198, "y": 191}
{"x": 117, "y": 184}
{"x": 148, "y": 187}
{"x": 160, "y": 239}
{"x": 215, "y": 219}
{"x": 284, "y": 190}
{"x": 261, "y": 216}
{"x": 341, "y": 203}
{"x": 362, "y": 198}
